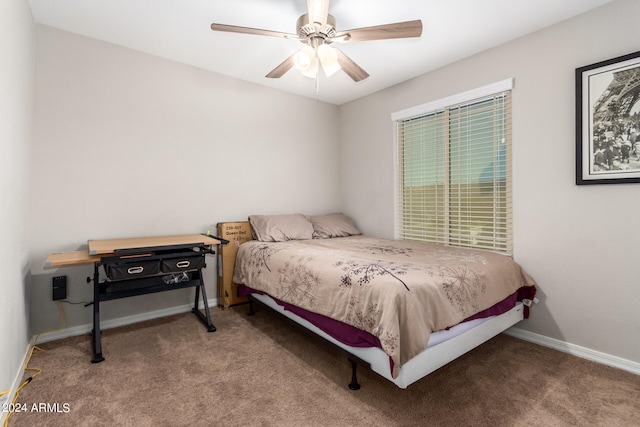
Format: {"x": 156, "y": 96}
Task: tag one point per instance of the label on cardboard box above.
{"x": 236, "y": 233}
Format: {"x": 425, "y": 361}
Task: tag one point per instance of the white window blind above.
{"x": 454, "y": 172}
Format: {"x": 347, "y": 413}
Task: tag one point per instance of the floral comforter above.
{"x": 397, "y": 290}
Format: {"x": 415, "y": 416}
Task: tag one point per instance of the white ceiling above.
{"x": 179, "y": 30}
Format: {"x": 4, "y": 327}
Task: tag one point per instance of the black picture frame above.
{"x": 608, "y": 121}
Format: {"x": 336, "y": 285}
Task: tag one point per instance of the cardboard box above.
{"x": 236, "y": 233}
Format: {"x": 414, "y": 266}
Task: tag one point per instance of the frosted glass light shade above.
{"x": 329, "y": 59}
{"x": 304, "y": 58}
{"x": 312, "y": 69}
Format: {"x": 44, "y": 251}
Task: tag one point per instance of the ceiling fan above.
{"x": 317, "y": 30}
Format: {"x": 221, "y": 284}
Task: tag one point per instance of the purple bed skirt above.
{"x": 355, "y": 337}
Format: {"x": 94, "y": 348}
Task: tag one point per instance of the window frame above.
{"x": 444, "y": 104}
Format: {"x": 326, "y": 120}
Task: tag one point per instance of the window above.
{"x": 454, "y": 170}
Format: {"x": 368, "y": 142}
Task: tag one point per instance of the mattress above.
{"x": 399, "y": 292}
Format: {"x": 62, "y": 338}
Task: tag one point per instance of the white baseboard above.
{"x": 17, "y": 381}
{"x": 576, "y": 350}
{"x": 121, "y": 321}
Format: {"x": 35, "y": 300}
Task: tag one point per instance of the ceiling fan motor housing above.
{"x": 311, "y": 30}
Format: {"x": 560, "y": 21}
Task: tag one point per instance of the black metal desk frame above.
{"x": 111, "y": 290}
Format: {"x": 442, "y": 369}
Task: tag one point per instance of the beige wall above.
{"x": 16, "y": 77}
{"x": 114, "y": 127}
{"x": 127, "y": 144}
{"x": 578, "y": 242}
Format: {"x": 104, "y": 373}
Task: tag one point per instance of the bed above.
{"x": 402, "y": 308}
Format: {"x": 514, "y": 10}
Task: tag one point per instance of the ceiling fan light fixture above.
{"x": 312, "y": 70}
{"x": 304, "y": 58}
{"x": 328, "y": 59}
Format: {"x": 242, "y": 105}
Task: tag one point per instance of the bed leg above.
{"x": 354, "y": 377}
{"x": 251, "y": 311}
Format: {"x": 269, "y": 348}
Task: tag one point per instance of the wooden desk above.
{"x": 110, "y": 246}
{"x": 70, "y": 258}
{"x": 177, "y": 263}
{"x": 97, "y": 248}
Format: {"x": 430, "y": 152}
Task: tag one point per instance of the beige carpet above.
{"x": 263, "y": 371}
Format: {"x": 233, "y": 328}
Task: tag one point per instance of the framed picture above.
{"x": 608, "y": 121}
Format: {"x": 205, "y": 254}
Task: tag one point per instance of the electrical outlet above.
{"x": 59, "y": 287}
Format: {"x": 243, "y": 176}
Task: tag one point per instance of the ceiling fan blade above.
{"x": 318, "y": 11}
{"x": 284, "y": 66}
{"x": 398, "y": 30}
{"x": 352, "y": 69}
{"x": 247, "y": 30}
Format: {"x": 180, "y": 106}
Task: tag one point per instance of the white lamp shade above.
{"x": 312, "y": 69}
{"x": 304, "y": 58}
{"x": 328, "y": 59}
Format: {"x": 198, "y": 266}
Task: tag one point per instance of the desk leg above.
{"x": 206, "y": 319}
{"x": 95, "y": 334}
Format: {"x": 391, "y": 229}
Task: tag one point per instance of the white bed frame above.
{"x": 443, "y": 346}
